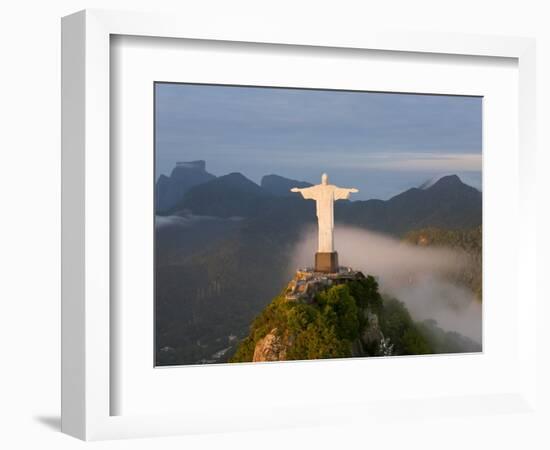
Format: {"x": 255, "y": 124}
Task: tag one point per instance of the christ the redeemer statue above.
{"x": 324, "y": 194}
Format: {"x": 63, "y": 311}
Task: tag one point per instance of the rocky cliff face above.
{"x": 275, "y": 345}
{"x": 272, "y": 347}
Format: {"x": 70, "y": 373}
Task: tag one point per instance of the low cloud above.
{"x": 188, "y": 220}
{"x": 418, "y": 276}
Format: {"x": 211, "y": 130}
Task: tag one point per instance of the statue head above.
{"x": 324, "y": 178}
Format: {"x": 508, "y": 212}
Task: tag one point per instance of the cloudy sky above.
{"x": 379, "y": 143}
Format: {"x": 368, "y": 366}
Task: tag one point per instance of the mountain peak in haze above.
{"x": 236, "y": 179}
{"x": 281, "y": 186}
{"x": 453, "y": 184}
{"x": 443, "y": 181}
{"x": 185, "y": 175}
{"x": 199, "y": 164}
{"x": 446, "y": 203}
{"x": 447, "y": 181}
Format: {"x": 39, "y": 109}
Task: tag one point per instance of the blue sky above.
{"x": 380, "y": 143}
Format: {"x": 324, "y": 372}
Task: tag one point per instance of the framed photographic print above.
{"x": 300, "y": 210}
{"x": 247, "y": 272}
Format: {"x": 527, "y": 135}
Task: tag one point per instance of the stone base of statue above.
{"x": 326, "y": 262}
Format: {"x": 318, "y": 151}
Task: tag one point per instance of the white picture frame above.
{"x": 86, "y": 239}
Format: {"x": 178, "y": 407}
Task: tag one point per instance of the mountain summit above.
{"x": 277, "y": 185}
{"x": 337, "y": 316}
{"x": 227, "y": 196}
{"x": 448, "y": 180}
{"x": 186, "y": 174}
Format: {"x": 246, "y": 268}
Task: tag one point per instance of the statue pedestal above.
{"x": 326, "y": 262}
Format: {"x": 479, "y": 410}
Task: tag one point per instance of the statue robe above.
{"x": 325, "y": 195}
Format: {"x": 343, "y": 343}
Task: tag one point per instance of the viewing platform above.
{"x": 307, "y": 282}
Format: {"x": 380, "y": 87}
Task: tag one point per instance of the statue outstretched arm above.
{"x": 344, "y": 193}
{"x": 307, "y": 193}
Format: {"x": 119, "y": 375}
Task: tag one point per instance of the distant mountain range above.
{"x": 190, "y": 188}
{"x": 228, "y": 254}
{"x": 448, "y": 202}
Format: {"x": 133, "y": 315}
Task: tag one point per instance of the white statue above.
{"x": 325, "y": 195}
